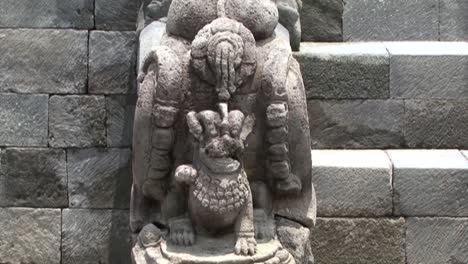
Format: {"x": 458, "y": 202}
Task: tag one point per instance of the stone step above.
{"x": 387, "y": 94}
{"x": 384, "y": 20}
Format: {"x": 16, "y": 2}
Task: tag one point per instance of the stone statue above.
{"x": 221, "y": 167}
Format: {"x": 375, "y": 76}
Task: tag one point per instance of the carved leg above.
{"x": 181, "y": 231}
{"x": 244, "y": 229}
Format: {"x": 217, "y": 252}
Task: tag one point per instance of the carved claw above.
{"x": 186, "y": 174}
{"x": 246, "y": 246}
{"x": 181, "y": 232}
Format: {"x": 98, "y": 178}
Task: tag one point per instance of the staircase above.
{"x": 387, "y": 90}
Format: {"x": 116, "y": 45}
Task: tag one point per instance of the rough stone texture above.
{"x": 77, "y": 121}
{"x": 296, "y": 239}
{"x": 436, "y": 124}
{"x": 116, "y": 15}
{"x": 356, "y": 123}
{"x": 119, "y": 123}
{"x": 433, "y": 70}
{"x": 322, "y": 20}
{"x": 365, "y": 20}
{"x": 437, "y": 240}
{"x": 33, "y": 178}
{"x": 430, "y": 182}
{"x": 23, "y": 120}
{"x": 352, "y": 182}
{"x": 341, "y": 240}
{"x": 345, "y": 70}
{"x": 43, "y": 61}
{"x": 95, "y": 236}
{"x": 453, "y": 20}
{"x": 30, "y": 235}
{"x": 47, "y": 14}
{"x": 112, "y": 59}
{"x": 99, "y": 178}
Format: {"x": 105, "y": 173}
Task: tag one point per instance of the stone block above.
{"x": 47, "y": 14}
{"x": 120, "y": 114}
{"x": 366, "y": 20}
{"x": 99, "y": 178}
{"x": 437, "y": 240}
{"x": 77, "y": 121}
{"x": 453, "y": 20}
{"x": 430, "y": 182}
{"x": 23, "y": 120}
{"x": 112, "y": 62}
{"x": 356, "y": 123}
{"x": 95, "y": 236}
{"x": 436, "y": 124}
{"x": 345, "y": 70}
{"x": 432, "y": 70}
{"x": 352, "y": 182}
{"x": 33, "y": 178}
{"x": 358, "y": 240}
{"x": 30, "y": 235}
{"x": 321, "y": 20}
{"x": 43, "y": 61}
{"x": 118, "y": 15}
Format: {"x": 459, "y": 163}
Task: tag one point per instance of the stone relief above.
{"x": 221, "y": 136}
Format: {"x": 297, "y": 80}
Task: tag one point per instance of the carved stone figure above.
{"x": 221, "y": 136}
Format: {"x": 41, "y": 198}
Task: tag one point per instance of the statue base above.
{"x": 207, "y": 250}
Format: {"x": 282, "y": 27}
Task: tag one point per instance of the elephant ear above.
{"x": 247, "y": 127}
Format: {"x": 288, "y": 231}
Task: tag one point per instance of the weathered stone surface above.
{"x": 296, "y": 239}
{"x": 33, "y": 178}
{"x": 43, "y": 61}
{"x": 119, "y": 123}
{"x": 430, "y": 182}
{"x": 95, "y": 236}
{"x": 356, "y": 124}
{"x": 23, "y": 120}
{"x": 342, "y": 240}
{"x": 352, "y": 182}
{"x": 433, "y": 70}
{"x": 112, "y": 59}
{"x": 30, "y": 235}
{"x": 322, "y": 20}
{"x": 437, "y": 240}
{"x": 453, "y": 20}
{"x": 99, "y": 178}
{"x": 365, "y": 20}
{"x": 345, "y": 70}
{"x": 436, "y": 124}
{"x": 77, "y": 121}
{"x": 116, "y": 15}
{"x": 47, "y": 14}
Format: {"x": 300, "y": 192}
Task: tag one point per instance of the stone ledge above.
{"x": 352, "y": 182}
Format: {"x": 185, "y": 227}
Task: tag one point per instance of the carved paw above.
{"x": 181, "y": 232}
{"x": 246, "y": 246}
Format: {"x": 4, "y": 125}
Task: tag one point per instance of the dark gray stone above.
{"x": 453, "y": 20}
{"x": 95, "y": 236}
{"x": 363, "y": 241}
{"x": 43, "y": 61}
{"x": 356, "y": 123}
{"x": 436, "y": 124}
{"x": 47, "y": 14}
{"x": 434, "y": 70}
{"x": 437, "y": 240}
{"x": 365, "y": 20}
{"x": 345, "y": 70}
{"x": 77, "y": 121}
{"x": 352, "y": 182}
{"x": 430, "y": 182}
{"x": 322, "y": 20}
{"x": 296, "y": 239}
{"x": 99, "y": 178}
{"x": 30, "y": 235}
{"x": 33, "y": 178}
{"x": 23, "y": 120}
{"x": 119, "y": 123}
{"x": 112, "y": 59}
{"x": 116, "y": 15}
